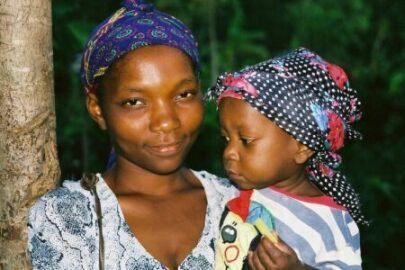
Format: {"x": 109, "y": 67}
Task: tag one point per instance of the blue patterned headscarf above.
{"x": 136, "y": 24}
{"x": 311, "y": 100}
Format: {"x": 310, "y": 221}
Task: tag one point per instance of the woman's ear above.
{"x": 94, "y": 109}
{"x": 303, "y": 154}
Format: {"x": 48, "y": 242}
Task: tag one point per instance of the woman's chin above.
{"x": 165, "y": 168}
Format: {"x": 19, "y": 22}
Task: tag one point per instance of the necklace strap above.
{"x": 88, "y": 182}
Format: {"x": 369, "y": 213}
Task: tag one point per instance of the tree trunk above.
{"x": 28, "y": 158}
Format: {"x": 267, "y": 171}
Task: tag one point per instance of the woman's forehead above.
{"x": 153, "y": 66}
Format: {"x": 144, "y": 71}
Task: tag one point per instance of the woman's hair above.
{"x": 311, "y": 100}
{"x": 136, "y": 24}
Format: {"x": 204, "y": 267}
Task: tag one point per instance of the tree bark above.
{"x": 28, "y": 158}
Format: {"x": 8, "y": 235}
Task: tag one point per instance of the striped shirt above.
{"x": 322, "y": 233}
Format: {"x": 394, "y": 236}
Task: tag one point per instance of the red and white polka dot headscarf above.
{"x": 311, "y": 100}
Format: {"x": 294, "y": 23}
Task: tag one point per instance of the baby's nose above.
{"x": 230, "y": 153}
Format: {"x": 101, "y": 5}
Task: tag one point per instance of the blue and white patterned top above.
{"x": 63, "y": 233}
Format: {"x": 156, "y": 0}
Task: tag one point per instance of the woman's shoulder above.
{"x": 60, "y": 223}
{"x": 214, "y": 179}
{"x": 68, "y": 188}
{"x": 60, "y": 201}
{"x": 216, "y": 183}
{"x": 68, "y": 209}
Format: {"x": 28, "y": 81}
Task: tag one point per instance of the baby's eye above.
{"x": 246, "y": 140}
{"x": 225, "y": 138}
{"x": 133, "y": 102}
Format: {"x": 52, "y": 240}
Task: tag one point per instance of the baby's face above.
{"x": 258, "y": 153}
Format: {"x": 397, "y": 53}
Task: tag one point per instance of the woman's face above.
{"x": 152, "y": 108}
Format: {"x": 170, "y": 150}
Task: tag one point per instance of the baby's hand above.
{"x": 269, "y": 256}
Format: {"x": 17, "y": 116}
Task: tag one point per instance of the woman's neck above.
{"x": 126, "y": 178}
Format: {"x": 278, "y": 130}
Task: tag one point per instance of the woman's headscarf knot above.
{"x": 138, "y": 4}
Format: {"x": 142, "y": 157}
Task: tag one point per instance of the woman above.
{"x": 139, "y": 71}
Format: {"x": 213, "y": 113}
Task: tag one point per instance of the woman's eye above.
{"x": 132, "y": 102}
{"x": 186, "y": 94}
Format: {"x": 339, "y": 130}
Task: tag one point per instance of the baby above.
{"x": 284, "y": 121}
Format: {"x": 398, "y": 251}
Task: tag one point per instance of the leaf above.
{"x": 80, "y": 31}
{"x": 397, "y": 82}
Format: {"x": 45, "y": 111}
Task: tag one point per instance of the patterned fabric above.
{"x": 311, "y": 100}
{"x": 235, "y": 242}
{"x": 322, "y": 233}
{"x": 238, "y": 231}
{"x": 136, "y": 24}
{"x": 63, "y": 233}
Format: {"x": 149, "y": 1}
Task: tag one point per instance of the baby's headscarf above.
{"x": 311, "y": 100}
{"x": 136, "y": 24}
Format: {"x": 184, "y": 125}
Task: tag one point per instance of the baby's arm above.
{"x": 269, "y": 256}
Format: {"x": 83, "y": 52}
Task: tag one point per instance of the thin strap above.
{"x": 88, "y": 182}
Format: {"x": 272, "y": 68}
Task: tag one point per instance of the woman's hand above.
{"x": 268, "y": 256}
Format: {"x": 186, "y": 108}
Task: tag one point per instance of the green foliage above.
{"x": 364, "y": 37}
{"x": 318, "y": 24}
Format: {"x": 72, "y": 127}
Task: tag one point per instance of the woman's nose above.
{"x": 164, "y": 118}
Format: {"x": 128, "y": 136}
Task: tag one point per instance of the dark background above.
{"x": 365, "y": 37}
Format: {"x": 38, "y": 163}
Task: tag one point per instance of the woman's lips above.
{"x": 167, "y": 149}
